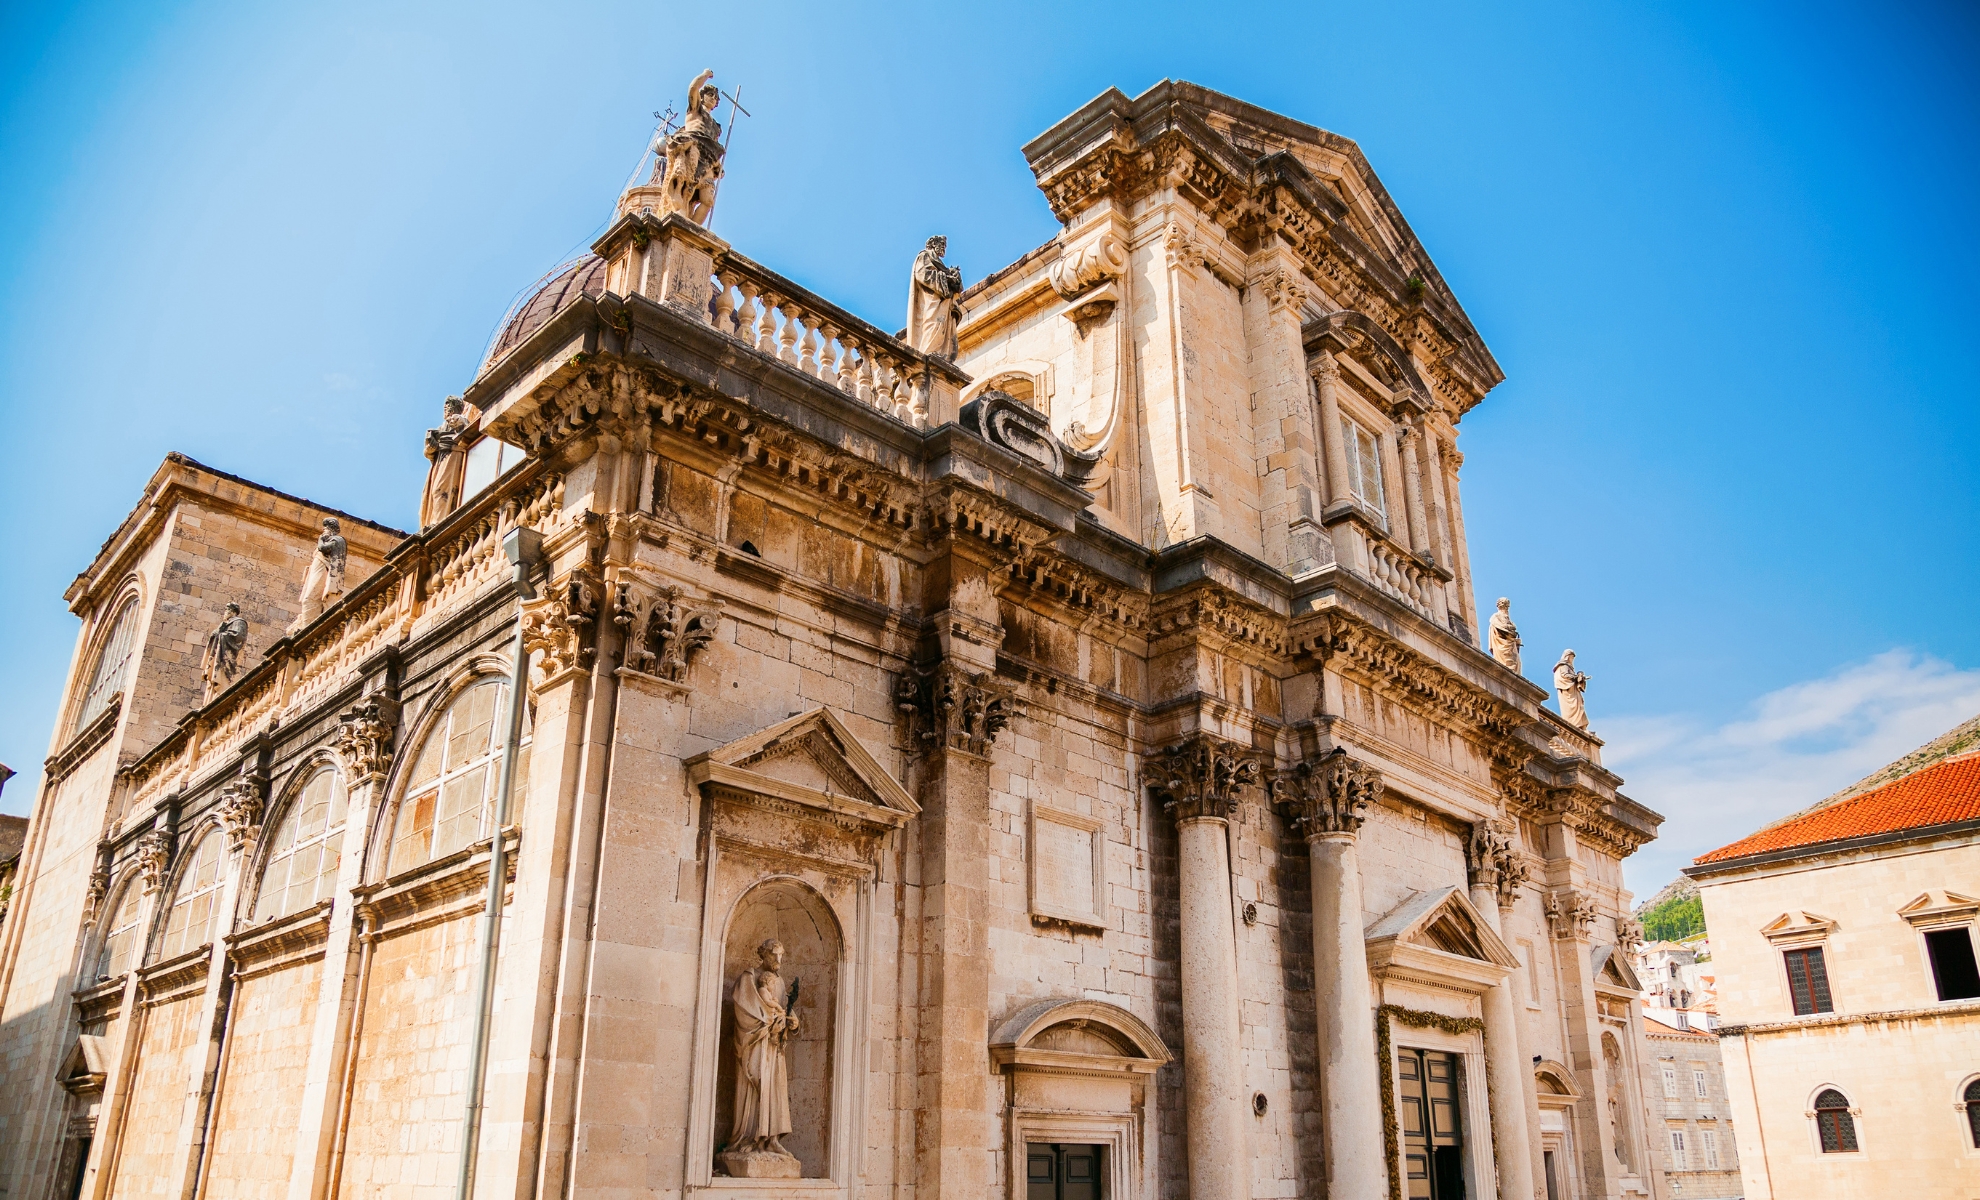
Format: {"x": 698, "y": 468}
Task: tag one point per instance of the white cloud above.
{"x": 1790, "y": 749}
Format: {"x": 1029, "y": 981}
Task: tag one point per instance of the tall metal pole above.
{"x": 524, "y": 548}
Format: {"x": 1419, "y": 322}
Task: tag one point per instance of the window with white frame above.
{"x": 1677, "y": 1151}
{"x": 450, "y": 791}
{"x": 488, "y": 460}
{"x": 1364, "y": 466}
{"x": 196, "y": 903}
{"x": 106, "y": 674}
{"x": 1670, "y": 1081}
{"x": 120, "y": 943}
{"x": 1708, "y": 1141}
{"x": 1698, "y": 1082}
{"x": 303, "y": 854}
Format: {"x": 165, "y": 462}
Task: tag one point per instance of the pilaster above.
{"x": 1284, "y": 439}
{"x": 1515, "y": 1111}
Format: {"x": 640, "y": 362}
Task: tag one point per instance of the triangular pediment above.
{"x": 1613, "y": 970}
{"x": 810, "y": 759}
{"x": 1931, "y": 908}
{"x": 86, "y": 1066}
{"x": 1444, "y": 921}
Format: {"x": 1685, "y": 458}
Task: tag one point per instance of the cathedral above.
{"x": 1052, "y": 752}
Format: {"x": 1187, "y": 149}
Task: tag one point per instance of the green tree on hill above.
{"x": 1674, "y": 920}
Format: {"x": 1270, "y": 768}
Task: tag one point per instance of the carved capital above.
{"x": 664, "y": 629}
{"x": 955, "y": 708}
{"x": 1329, "y": 797}
{"x": 1285, "y": 291}
{"x": 364, "y": 738}
{"x": 1486, "y": 854}
{"x": 240, "y": 809}
{"x": 1570, "y": 914}
{"x": 1513, "y": 873}
{"x": 1203, "y": 776}
{"x": 1183, "y": 251}
{"x": 154, "y": 855}
{"x": 1324, "y": 369}
{"x": 99, "y": 886}
{"x": 560, "y": 625}
{"x": 1629, "y": 933}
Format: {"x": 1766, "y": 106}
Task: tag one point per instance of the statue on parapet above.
{"x": 223, "y": 650}
{"x": 933, "y": 307}
{"x": 689, "y": 159}
{"x": 1504, "y": 635}
{"x": 323, "y": 585}
{"x": 446, "y": 451}
{"x": 1572, "y": 688}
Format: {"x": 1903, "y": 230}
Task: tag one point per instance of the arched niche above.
{"x": 1079, "y": 1071}
{"x": 795, "y": 915}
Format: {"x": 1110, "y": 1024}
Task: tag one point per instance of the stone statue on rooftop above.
{"x": 447, "y": 453}
{"x": 689, "y": 162}
{"x": 223, "y": 650}
{"x": 324, "y": 583}
{"x": 1571, "y": 686}
{"x": 933, "y": 311}
{"x": 765, "y": 1024}
{"x": 1504, "y": 635}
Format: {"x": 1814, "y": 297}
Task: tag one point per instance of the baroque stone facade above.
{"x": 1069, "y": 764}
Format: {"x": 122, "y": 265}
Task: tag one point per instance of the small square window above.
{"x": 1953, "y": 969}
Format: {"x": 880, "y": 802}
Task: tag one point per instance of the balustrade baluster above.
{"x": 863, "y": 385}
{"x": 844, "y": 374}
{"x": 766, "y": 323}
{"x": 787, "y": 336}
{"x": 725, "y": 303}
{"x": 809, "y": 350}
{"x": 746, "y": 311}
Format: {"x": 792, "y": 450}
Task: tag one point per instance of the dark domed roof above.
{"x": 583, "y": 277}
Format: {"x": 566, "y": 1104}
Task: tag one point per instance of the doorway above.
{"x": 1432, "y": 1124}
{"x": 1062, "y": 1171}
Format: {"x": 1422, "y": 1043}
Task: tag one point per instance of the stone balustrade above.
{"x": 1400, "y": 576}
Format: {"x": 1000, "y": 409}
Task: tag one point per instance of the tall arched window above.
{"x": 1973, "y": 1111}
{"x": 106, "y": 674}
{"x": 1834, "y": 1124}
{"x": 450, "y": 793}
{"x": 195, "y": 903}
{"x": 303, "y": 854}
{"x": 120, "y": 942}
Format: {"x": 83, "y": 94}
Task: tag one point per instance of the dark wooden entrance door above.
{"x": 1061, "y": 1171}
{"x": 1432, "y": 1125}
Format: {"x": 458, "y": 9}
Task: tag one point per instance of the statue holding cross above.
{"x": 689, "y": 159}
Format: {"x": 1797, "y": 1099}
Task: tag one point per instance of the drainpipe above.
{"x": 524, "y": 548}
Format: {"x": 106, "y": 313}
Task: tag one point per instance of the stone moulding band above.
{"x": 1385, "y": 1016}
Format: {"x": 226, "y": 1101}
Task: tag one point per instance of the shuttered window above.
{"x": 1364, "y": 467}
{"x": 1808, "y": 982}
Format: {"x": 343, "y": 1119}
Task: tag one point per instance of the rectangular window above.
{"x": 1808, "y": 982}
{"x": 1364, "y": 467}
{"x": 1670, "y": 1082}
{"x": 1952, "y": 963}
{"x": 487, "y": 461}
{"x": 1677, "y": 1150}
{"x": 1710, "y": 1140}
{"x": 1698, "y": 1082}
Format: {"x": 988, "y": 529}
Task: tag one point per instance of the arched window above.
{"x": 120, "y": 943}
{"x": 303, "y": 854}
{"x": 1973, "y": 1111}
{"x": 1834, "y": 1124}
{"x": 113, "y": 658}
{"x": 194, "y": 906}
{"x": 450, "y": 793}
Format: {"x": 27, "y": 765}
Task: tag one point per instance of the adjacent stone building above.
{"x": 1687, "y": 1090}
{"x": 1848, "y": 993}
{"x": 1046, "y": 757}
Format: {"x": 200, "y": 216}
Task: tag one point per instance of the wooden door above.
{"x": 1062, "y": 1171}
{"x": 1432, "y": 1124}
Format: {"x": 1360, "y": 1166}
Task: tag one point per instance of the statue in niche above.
{"x": 1504, "y": 635}
{"x": 444, "y": 449}
{"x": 1571, "y": 686}
{"x": 223, "y": 650}
{"x": 689, "y": 160}
{"x": 933, "y": 311}
{"x": 765, "y": 1023}
{"x": 325, "y": 581}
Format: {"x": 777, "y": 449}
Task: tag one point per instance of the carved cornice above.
{"x": 961, "y": 515}
{"x": 1371, "y": 657}
{"x": 1046, "y": 573}
{"x": 1201, "y": 777}
{"x": 1329, "y": 797}
{"x": 1210, "y": 609}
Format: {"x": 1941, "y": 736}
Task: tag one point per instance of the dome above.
{"x": 582, "y": 277}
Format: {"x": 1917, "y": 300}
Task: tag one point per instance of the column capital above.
{"x": 1486, "y": 853}
{"x": 1328, "y": 797}
{"x": 241, "y": 806}
{"x": 1570, "y": 914}
{"x": 154, "y": 855}
{"x": 954, "y": 708}
{"x": 364, "y": 737}
{"x": 1324, "y": 368}
{"x": 1202, "y": 776}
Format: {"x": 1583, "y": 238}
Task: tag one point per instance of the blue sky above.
{"x": 1722, "y": 252}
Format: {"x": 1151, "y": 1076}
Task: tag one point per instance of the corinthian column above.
{"x": 1199, "y": 783}
{"x": 1328, "y": 800}
{"x": 1490, "y": 859}
{"x": 1327, "y": 377}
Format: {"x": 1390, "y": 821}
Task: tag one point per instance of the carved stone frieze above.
{"x": 1329, "y": 796}
{"x": 559, "y": 625}
{"x": 240, "y": 810}
{"x": 1202, "y": 776}
{"x": 954, "y": 708}
{"x": 364, "y": 738}
{"x": 153, "y": 856}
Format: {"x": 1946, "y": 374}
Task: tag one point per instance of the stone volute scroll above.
{"x": 446, "y": 450}
{"x": 323, "y": 584}
{"x": 1571, "y": 686}
{"x": 223, "y": 651}
{"x": 1504, "y": 635}
{"x": 934, "y": 309}
{"x": 765, "y": 1020}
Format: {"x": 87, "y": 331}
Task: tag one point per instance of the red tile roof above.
{"x": 1940, "y": 794}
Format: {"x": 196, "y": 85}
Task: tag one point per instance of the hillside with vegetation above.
{"x": 1673, "y": 914}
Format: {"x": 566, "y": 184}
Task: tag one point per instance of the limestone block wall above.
{"x": 258, "y": 1110}
{"x": 168, "y": 1037}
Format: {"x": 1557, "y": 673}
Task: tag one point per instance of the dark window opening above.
{"x": 1833, "y": 1122}
{"x": 1952, "y": 963}
{"x": 1432, "y": 1127}
{"x": 1808, "y": 982}
{"x": 1973, "y": 1111}
{"x": 1058, "y": 1171}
